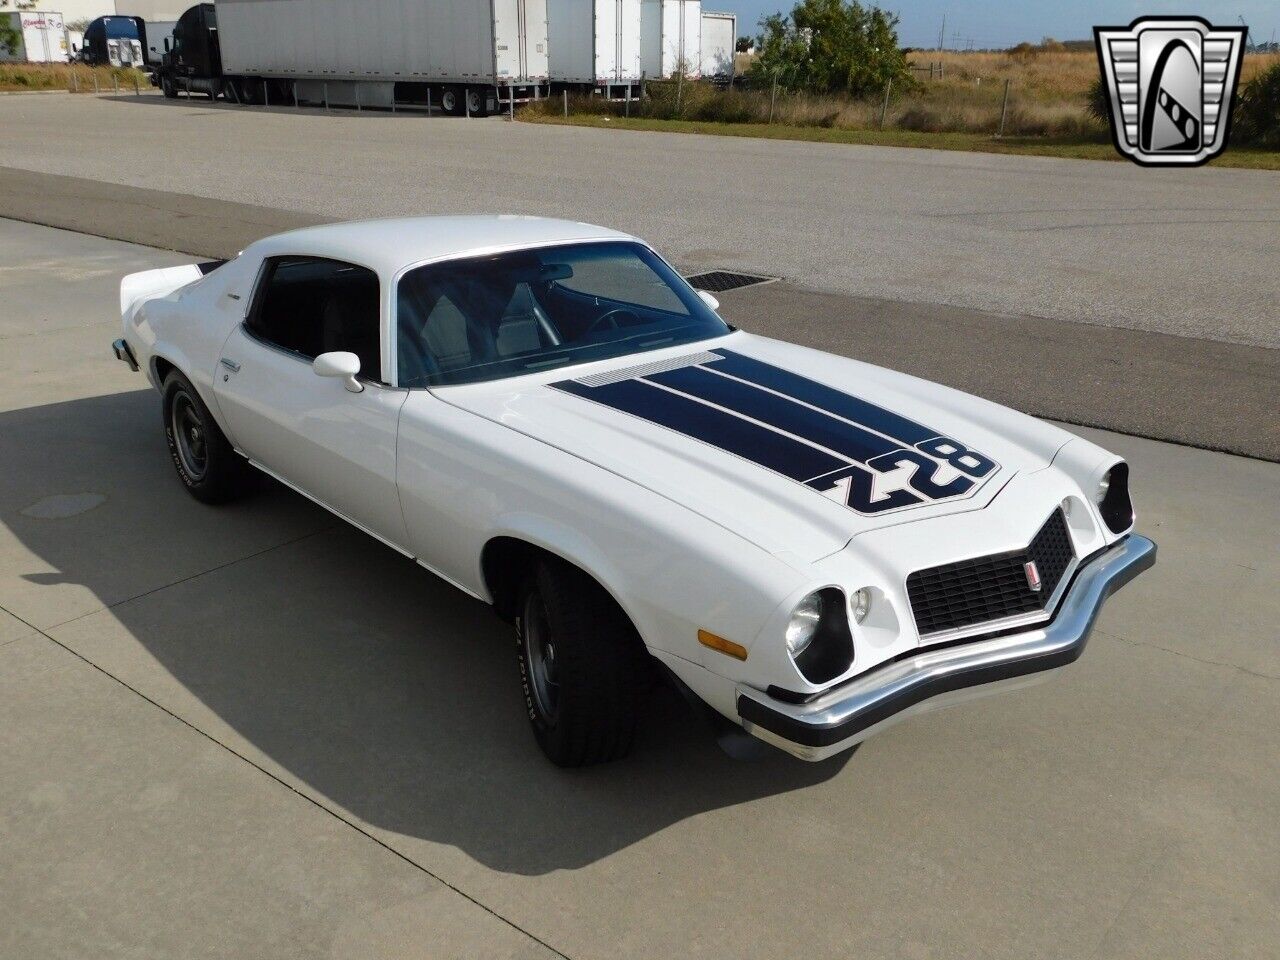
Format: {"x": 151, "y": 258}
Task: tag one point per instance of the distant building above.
{"x": 73, "y": 10}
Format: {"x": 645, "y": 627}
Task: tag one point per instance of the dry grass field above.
{"x": 61, "y": 76}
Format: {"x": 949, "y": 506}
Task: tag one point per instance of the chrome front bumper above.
{"x": 853, "y": 711}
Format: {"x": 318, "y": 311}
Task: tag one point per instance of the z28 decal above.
{"x": 863, "y": 456}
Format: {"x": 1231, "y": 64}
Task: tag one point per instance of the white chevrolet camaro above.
{"x": 547, "y": 416}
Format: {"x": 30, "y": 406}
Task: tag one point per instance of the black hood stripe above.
{"x": 798, "y": 428}
{"x": 825, "y": 398}
{"x": 776, "y": 411}
{"x": 718, "y": 428}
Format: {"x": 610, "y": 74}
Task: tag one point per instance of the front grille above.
{"x": 958, "y": 595}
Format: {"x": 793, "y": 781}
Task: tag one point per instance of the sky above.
{"x": 992, "y": 24}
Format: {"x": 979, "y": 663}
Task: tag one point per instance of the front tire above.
{"x": 582, "y": 667}
{"x": 204, "y": 459}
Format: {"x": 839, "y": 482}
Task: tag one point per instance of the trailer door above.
{"x": 629, "y": 39}
{"x": 537, "y": 64}
{"x": 520, "y": 40}
{"x": 606, "y": 24}
{"x": 691, "y": 36}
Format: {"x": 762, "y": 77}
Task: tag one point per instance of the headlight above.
{"x": 803, "y": 626}
{"x": 818, "y": 637}
{"x": 1114, "y": 504}
{"x": 861, "y": 604}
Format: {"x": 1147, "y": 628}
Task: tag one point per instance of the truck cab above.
{"x": 194, "y": 60}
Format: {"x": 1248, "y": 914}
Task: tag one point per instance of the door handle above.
{"x": 231, "y": 365}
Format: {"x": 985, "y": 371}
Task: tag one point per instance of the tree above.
{"x": 831, "y": 46}
{"x": 743, "y": 45}
{"x": 10, "y": 38}
{"x": 79, "y": 26}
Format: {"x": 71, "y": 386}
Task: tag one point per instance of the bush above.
{"x": 1257, "y": 116}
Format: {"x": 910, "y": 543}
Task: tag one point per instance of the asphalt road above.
{"x": 1220, "y": 396}
{"x": 252, "y": 731}
{"x": 1188, "y": 252}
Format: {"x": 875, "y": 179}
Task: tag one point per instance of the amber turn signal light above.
{"x": 735, "y": 650}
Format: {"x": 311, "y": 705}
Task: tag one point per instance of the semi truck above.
{"x": 595, "y": 44}
{"x": 114, "y": 42}
{"x": 471, "y": 56}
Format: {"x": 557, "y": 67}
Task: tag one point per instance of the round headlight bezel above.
{"x": 802, "y": 627}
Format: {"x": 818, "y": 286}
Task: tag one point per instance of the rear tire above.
{"x": 477, "y": 98}
{"x": 204, "y": 459}
{"x": 168, "y": 89}
{"x": 582, "y": 667}
{"x": 451, "y": 101}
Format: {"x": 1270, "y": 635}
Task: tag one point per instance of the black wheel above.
{"x": 206, "y": 464}
{"x": 477, "y": 99}
{"x": 582, "y": 667}
{"x": 451, "y": 101}
{"x": 167, "y": 88}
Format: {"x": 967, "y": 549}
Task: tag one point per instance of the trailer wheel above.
{"x": 477, "y": 101}
{"x": 451, "y": 101}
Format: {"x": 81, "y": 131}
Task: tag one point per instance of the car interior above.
{"x": 312, "y": 306}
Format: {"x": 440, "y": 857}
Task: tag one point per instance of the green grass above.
{"x": 980, "y": 142}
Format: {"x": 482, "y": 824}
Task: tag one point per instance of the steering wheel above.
{"x": 613, "y": 317}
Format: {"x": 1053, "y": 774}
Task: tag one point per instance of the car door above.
{"x": 311, "y": 431}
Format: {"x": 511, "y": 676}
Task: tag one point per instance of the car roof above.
{"x": 388, "y": 246}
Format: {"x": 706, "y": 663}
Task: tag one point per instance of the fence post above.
{"x": 95, "y": 83}
{"x": 359, "y": 108}
{"x": 136, "y": 91}
{"x": 115, "y": 84}
{"x": 294, "y": 87}
{"x": 566, "y": 102}
{"x": 326, "y": 96}
{"x": 428, "y": 101}
{"x": 511, "y": 105}
{"x": 679, "y": 87}
{"x": 466, "y": 101}
{"x": 628, "y": 108}
{"x": 1004, "y": 109}
{"x": 884, "y": 108}
{"x": 266, "y": 93}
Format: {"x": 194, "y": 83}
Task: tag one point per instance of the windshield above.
{"x": 483, "y": 318}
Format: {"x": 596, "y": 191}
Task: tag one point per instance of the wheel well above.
{"x": 162, "y": 367}
{"x": 506, "y": 561}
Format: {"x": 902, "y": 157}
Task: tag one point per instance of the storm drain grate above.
{"x": 717, "y": 281}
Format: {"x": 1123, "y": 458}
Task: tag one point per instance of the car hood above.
{"x": 796, "y": 450}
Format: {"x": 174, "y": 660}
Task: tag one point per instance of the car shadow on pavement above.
{"x": 308, "y": 647}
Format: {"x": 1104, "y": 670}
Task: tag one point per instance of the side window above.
{"x": 311, "y": 306}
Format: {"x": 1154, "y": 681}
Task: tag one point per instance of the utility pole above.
{"x": 942, "y": 34}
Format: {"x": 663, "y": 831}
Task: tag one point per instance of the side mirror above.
{"x": 339, "y": 363}
{"x": 166, "y": 44}
{"x": 709, "y": 300}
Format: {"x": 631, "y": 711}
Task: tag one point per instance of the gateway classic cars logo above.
{"x": 1171, "y": 82}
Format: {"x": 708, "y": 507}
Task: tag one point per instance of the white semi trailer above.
{"x": 41, "y": 37}
{"x": 719, "y": 43}
{"x": 468, "y": 55}
{"x": 596, "y": 44}
{"x": 671, "y": 38}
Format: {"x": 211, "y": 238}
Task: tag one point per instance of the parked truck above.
{"x": 595, "y": 44}
{"x": 719, "y": 43}
{"x": 113, "y": 42}
{"x": 157, "y": 40}
{"x": 462, "y": 55}
{"x": 671, "y": 38}
{"x": 38, "y": 37}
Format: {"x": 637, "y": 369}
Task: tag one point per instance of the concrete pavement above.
{"x": 252, "y": 731}
{"x": 1187, "y": 252}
